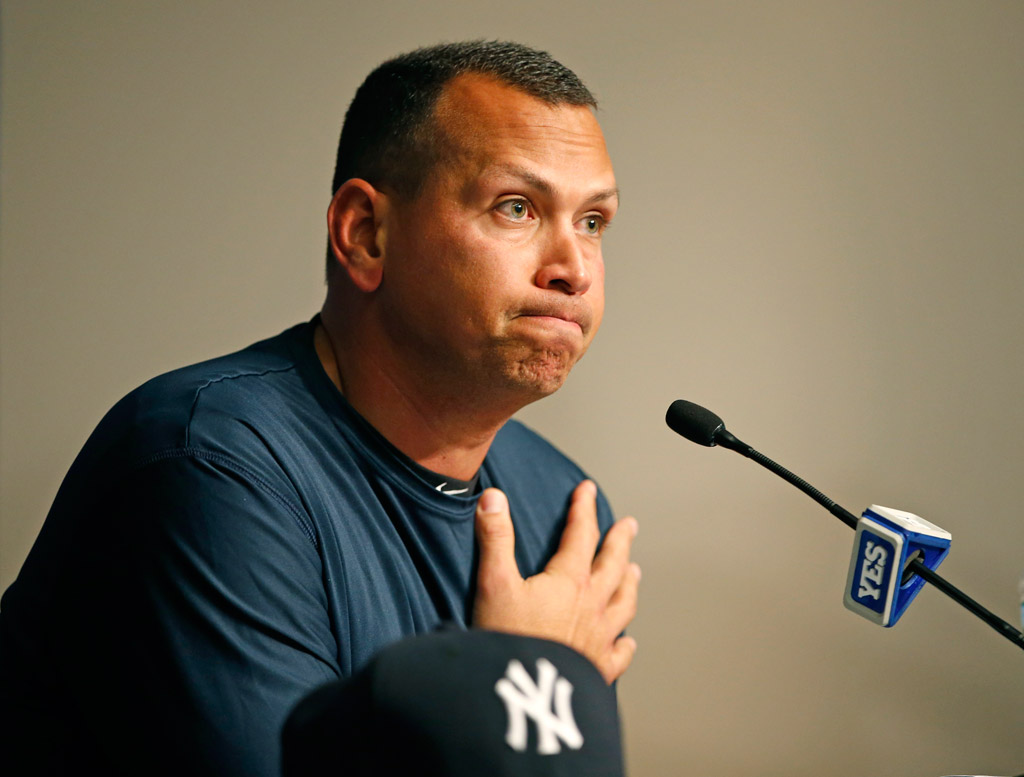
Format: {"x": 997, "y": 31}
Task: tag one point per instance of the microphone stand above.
{"x": 727, "y": 440}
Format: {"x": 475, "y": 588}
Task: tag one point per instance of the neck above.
{"x": 447, "y": 432}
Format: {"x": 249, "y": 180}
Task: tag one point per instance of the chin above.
{"x": 542, "y": 374}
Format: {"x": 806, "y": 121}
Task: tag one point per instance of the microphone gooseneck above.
{"x": 700, "y": 425}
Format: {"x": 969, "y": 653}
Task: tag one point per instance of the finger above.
{"x": 581, "y": 534}
{"x": 622, "y": 606}
{"x": 497, "y": 540}
{"x": 618, "y": 661}
{"x": 613, "y": 557}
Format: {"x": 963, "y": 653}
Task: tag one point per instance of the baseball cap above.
{"x": 461, "y": 702}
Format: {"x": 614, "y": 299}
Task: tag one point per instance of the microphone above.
{"x": 919, "y": 545}
{"x": 700, "y": 425}
{"x": 695, "y": 423}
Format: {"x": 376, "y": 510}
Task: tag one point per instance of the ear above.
{"x": 355, "y": 226}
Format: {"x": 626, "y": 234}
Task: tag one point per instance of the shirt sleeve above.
{"x": 199, "y": 619}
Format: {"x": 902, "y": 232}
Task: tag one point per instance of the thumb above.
{"x": 497, "y": 540}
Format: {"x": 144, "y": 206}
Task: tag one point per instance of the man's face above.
{"x": 493, "y": 276}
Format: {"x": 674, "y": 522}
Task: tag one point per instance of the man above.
{"x": 237, "y": 532}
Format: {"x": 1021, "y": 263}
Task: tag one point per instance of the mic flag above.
{"x": 880, "y": 584}
{"x": 914, "y": 546}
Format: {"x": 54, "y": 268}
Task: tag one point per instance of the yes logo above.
{"x": 872, "y": 570}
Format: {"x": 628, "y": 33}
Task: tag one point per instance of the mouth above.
{"x": 576, "y": 317}
{"x": 555, "y": 321}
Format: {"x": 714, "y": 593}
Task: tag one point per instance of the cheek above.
{"x": 485, "y": 270}
{"x": 596, "y": 293}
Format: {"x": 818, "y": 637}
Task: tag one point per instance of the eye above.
{"x": 517, "y": 210}
{"x": 592, "y": 225}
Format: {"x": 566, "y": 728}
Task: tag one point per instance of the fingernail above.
{"x": 636, "y": 570}
{"x": 491, "y": 501}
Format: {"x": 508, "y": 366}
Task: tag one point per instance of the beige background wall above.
{"x": 821, "y": 238}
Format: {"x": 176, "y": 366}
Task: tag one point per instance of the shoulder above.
{"x": 205, "y": 434}
{"x": 217, "y": 403}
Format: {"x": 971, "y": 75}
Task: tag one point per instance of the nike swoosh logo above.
{"x": 452, "y": 492}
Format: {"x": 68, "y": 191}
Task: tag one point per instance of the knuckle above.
{"x": 491, "y": 584}
{"x": 492, "y": 575}
{"x": 618, "y": 539}
{"x": 625, "y": 531}
{"x": 585, "y": 525}
{"x": 582, "y": 583}
{"x": 631, "y": 608}
{"x": 493, "y": 530}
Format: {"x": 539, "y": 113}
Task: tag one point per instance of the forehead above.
{"x": 488, "y": 123}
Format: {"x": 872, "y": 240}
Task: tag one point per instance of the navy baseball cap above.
{"x": 461, "y": 702}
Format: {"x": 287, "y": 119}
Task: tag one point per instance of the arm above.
{"x": 582, "y": 600}
{"x": 198, "y": 622}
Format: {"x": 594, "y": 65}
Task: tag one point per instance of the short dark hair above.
{"x": 389, "y": 137}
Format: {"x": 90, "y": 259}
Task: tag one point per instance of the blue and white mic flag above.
{"x": 879, "y": 586}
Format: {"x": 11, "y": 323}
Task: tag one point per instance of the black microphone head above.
{"x": 695, "y": 423}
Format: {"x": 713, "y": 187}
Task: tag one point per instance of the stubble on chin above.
{"x": 541, "y": 373}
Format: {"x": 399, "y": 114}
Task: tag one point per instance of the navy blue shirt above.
{"x": 232, "y": 535}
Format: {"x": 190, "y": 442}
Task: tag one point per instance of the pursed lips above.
{"x": 578, "y": 315}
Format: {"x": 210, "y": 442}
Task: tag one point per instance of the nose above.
{"x": 565, "y": 264}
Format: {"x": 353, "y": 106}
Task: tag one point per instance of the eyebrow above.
{"x": 544, "y": 186}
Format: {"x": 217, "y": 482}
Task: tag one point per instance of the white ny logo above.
{"x": 523, "y": 697}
